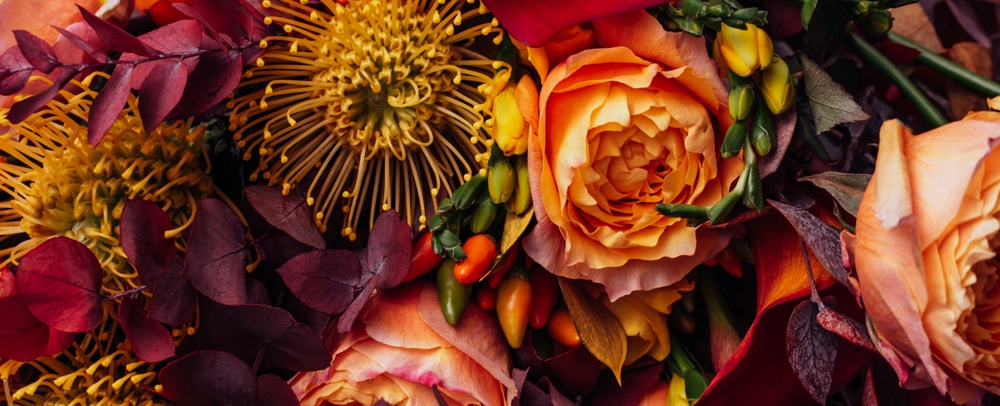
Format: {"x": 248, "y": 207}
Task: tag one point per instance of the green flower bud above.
{"x": 681, "y": 210}
{"x": 718, "y": 212}
{"x": 485, "y": 212}
{"x": 753, "y": 196}
{"x": 879, "y": 22}
{"x": 500, "y": 178}
{"x": 521, "y": 201}
{"x": 735, "y": 137}
{"x": 741, "y": 101}
{"x": 762, "y": 132}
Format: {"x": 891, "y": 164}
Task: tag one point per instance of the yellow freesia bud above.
{"x": 776, "y": 85}
{"x": 677, "y": 396}
{"x": 745, "y": 51}
{"x": 510, "y": 131}
{"x": 643, "y": 315}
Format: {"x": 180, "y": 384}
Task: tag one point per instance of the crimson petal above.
{"x": 534, "y": 22}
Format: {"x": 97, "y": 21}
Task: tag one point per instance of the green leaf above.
{"x": 826, "y": 29}
{"x": 831, "y": 104}
{"x": 847, "y": 188}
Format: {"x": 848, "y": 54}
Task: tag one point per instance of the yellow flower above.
{"x": 643, "y": 314}
{"x": 60, "y": 185}
{"x": 776, "y": 85}
{"x": 372, "y": 102}
{"x": 744, "y": 51}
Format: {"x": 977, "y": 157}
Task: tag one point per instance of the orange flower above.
{"x": 620, "y": 128}
{"x": 927, "y": 232}
{"x": 403, "y": 346}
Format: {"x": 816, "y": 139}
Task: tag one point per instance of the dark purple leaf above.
{"x": 823, "y": 240}
{"x": 304, "y": 314}
{"x": 271, "y": 335}
{"x": 968, "y": 19}
{"x": 785, "y": 127}
{"x": 21, "y": 110}
{"x": 22, "y": 336}
{"x": 324, "y": 280}
{"x": 811, "y": 351}
{"x": 869, "y": 398}
{"x": 274, "y": 391}
{"x": 14, "y": 82}
{"x": 347, "y": 319}
{"x": 150, "y": 341}
{"x": 212, "y": 81}
{"x": 161, "y": 91}
{"x": 60, "y": 281}
{"x": 14, "y": 71}
{"x": 297, "y": 349}
{"x": 289, "y": 213}
{"x": 109, "y": 103}
{"x": 173, "y": 302}
{"x": 115, "y": 38}
{"x": 83, "y": 45}
{"x": 257, "y": 292}
{"x": 209, "y": 378}
{"x": 142, "y": 228}
{"x": 223, "y": 41}
{"x": 215, "y": 262}
{"x": 636, "y": 380}
{"x": 839, "y": 324}
{"x": 36, "y": 51}
{"x": 389, "y": 249}
{"x": 574, "y": 372}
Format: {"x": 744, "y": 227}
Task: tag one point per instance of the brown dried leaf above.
{"x": 841, "y": 325}
{"x": 600, "y": 331}
{"x": 823, "y": 240}
{"x": 911, "y": 22}
{"x": 811, "y": 351}
{"x": 976, "y": 58}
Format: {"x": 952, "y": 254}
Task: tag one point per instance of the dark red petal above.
{"x": 533, "y": 22}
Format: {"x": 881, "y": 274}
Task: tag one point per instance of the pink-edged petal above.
{"x": 534, "y": 22}
{"x": 393, "y": 319}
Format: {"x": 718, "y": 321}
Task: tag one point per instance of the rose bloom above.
{"x": 403, "y": 346}
{"x": 925, "y": 254}
{"x": 632, "y": 117}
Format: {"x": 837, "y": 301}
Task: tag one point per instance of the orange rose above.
{"x": 403, "y": 346}
{"x": 620, "y": 128}
{"x": 925, "y": 254}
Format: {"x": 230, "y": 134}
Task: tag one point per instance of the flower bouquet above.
{"x": 486, "y": 202}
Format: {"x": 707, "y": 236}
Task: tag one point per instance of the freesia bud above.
{"x": 879, "y": 22}
{"x": 735, "y": 136}
{"x": 741, "y": 102}
{"x": 776, "y": 86}
{"x": 745, "y": 51}
{"x": 500, "y": 178}
{"x": 677, "y": 395}
{"x": 762, "y": 132}
{"x": 509, "y": 128}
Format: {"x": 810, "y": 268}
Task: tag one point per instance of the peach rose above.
{"x": 630, "y": 122}
{"x": 403, "y": 346}
{"x": 925, "y": 254}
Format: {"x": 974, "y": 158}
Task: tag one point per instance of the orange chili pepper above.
{"x": 544, "y": 293}
{"x": 514, "y": 305}
{"x": 480, "y": 250}
{"x": 562, "y": 330}
{"x": 423, "y": 259}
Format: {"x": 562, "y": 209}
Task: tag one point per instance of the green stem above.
{"x": 951, "y": 69}
{"x": 910, "y": 90}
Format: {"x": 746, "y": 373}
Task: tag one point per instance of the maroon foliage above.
{"x": 268, "y": 336}
{"x": 636, "y": 380}
{"x": 290, "y": 214}
{"x": 14, "y": 71}
{"x": 21, "y": 110}
{"x": 36, "y": 51}
{"x": 274, "y": 391}
{"x": 83, "y": 45}
{"x": 215, "y": 261}
{"x": 205, "y": 378}
{"x": 22, "y": 336}
{"x": 347, "y": 319}
{"x": 109, "y": 103}
{"x": 150, "y": 341}
{"x": 324, "y": 280}
{"x": 173, "y": 301}
{"x": 60, "y": 280}
{"x": 823, "y": 240}
{"x": 115, "y": 38}
{"x": 142, "y": 228}
{"x": 388, "y": 252}
{"x": 812, "y": 351}
{"x": 214, "y": 79}
{"x": 159, "y": 94}
{"x": 846, "y": 327}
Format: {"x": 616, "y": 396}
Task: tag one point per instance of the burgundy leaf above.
{"x": 58, "y": 341}
{"x": 869, "y": 398}
{"x": 173, "y": 302}
{"x": 115, "y": 38}
{"x": 109, "y": 103}
{"x": 574, "y": 372}
{"x": 315, "y": 319}
{"x": 823, "y": 240}
{"x": 228, "y": 16}
{"x": 257, "y": 292}
{"x": 60, "y": 281}
{"x": 36, "y": 51}
{"x": 221, "y": 40}
{"x": 846, "y": 327}
{"x": 636, "y": 380}
{"x": 212, "y": 81}
{"x": 207, "y": 378}
{"x": 14, "y": 82}
{"x": 22, "y": 336}
{"x": 8, "y": 283}
{"x": 142, "y": 228}
{"x": 215, "y": 263}
{"x": 289, "y": 213}
{"x": 24, "y": 108}
{"x": 274, "y": 391}
{"x": 389, "y": 249}
{"x": 160, "y": 92}
{"x": 297, "y": 349}
{"x": 270, "y": 335}
{"x": 324, "y": 280}
{"x": 83, "y": 45}
{"x": 785, "y": 125}
{"x": 150, "y": 341}
{"x": 181, "y": 37}
{"x": 811, "y": 351}
{"x": 14, "y": 71}
{"x": 347, "y": 319}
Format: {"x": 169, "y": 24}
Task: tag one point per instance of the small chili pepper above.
{"x": 544, "y": 293}
{"x": 452, "y": 294}
{"x": 497, "y": 276}
{"x": 423, "y": 259}
{"x": 562, "y": 330}
{"x": 514, "y": 305}
{"x": 486, "y": 298}
{"x": 480, "y": 250}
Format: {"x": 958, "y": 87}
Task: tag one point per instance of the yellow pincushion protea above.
{"x": 59, "y": 185}
{"x": 372, "y": 102}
